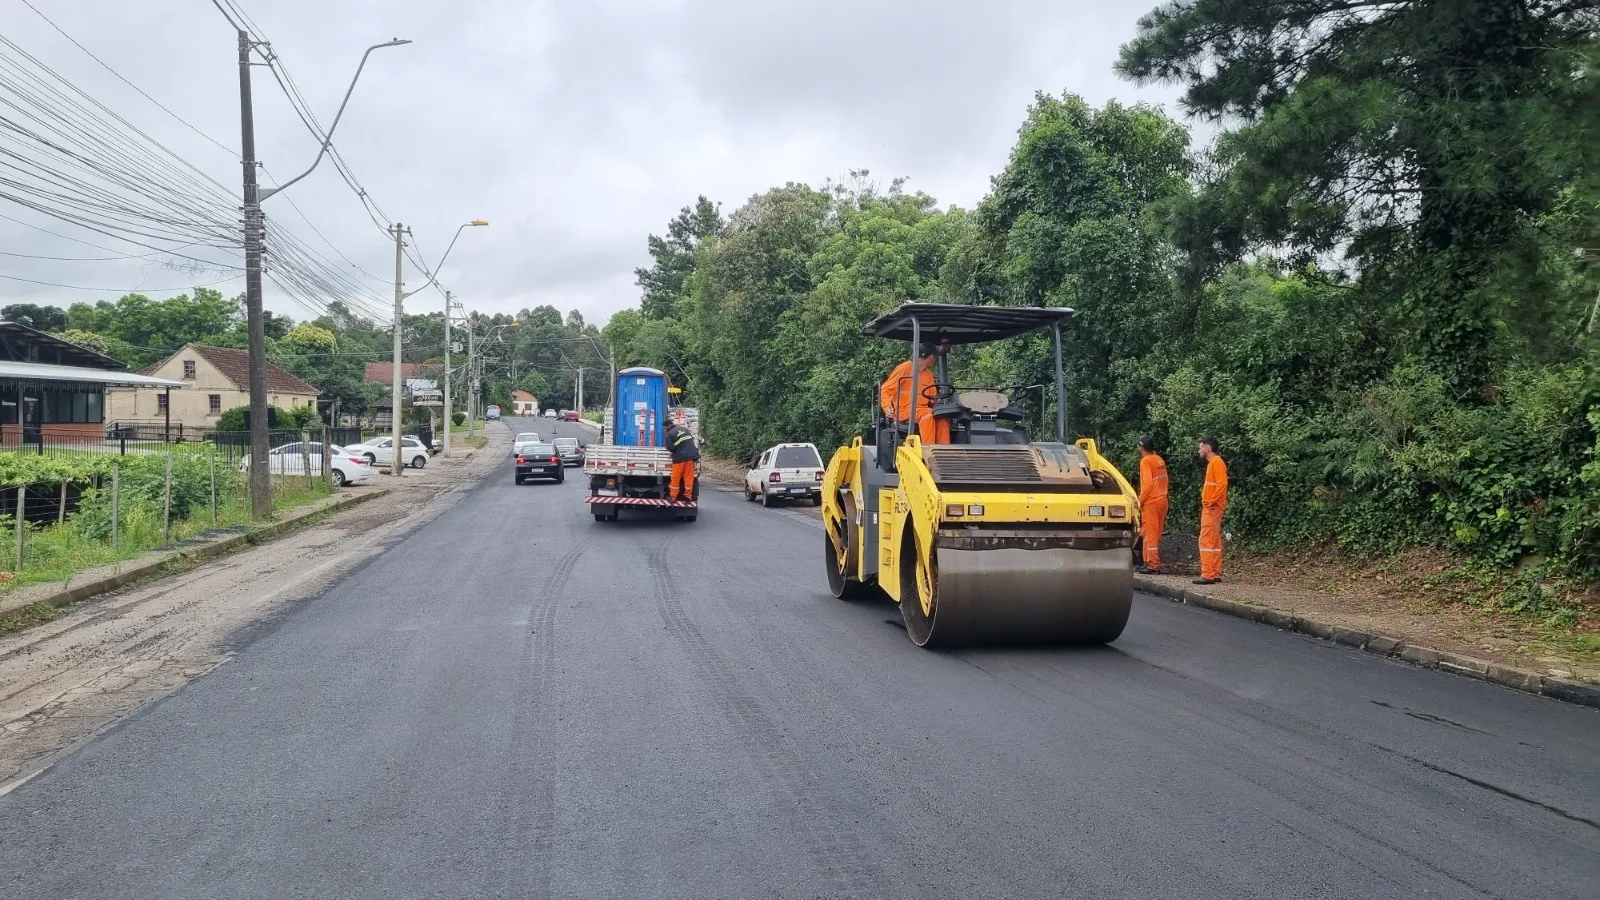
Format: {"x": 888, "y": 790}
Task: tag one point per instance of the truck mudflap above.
{"x": 641, "y": 501}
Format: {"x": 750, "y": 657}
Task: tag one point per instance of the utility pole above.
{"x": 577, "y": 392}
{"x": 449, "y": 411}
{"x": 472, "y": 379}
{"x": 399, "y": 233}
{"x": 260, "y": 474}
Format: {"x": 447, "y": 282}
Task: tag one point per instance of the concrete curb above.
{"x": 166, "y": 562}
{"x": 1562, "y": 689}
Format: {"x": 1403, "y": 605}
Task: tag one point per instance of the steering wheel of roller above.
{"x": 938, "y": 393}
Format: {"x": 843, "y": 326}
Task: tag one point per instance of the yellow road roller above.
{"x": 988, "y": 536}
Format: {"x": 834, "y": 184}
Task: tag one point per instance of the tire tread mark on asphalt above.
{"x": 1494, "y": 788}
{"x": 1244, "y": 709}
{"x": 833, "y": 845}
{"x": 532, "y": 799}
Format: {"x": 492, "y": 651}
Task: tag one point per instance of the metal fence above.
{"x": 125, "y": 439}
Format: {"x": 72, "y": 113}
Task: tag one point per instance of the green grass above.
{"x": 56, "y": 553}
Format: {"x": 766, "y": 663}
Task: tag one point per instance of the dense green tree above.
{"x": 1421, "y": 139}
{"x": 153, "y": 329}
{"x": 673, "y": 256}
{"x": 44, "y": 318}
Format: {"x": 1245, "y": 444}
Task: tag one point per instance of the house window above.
{"x": 188, "y": 368}
{"x": 216, "y": 404}
{"x": 161, "y": 402}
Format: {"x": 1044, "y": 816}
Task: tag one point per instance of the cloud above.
{"x": 575, "y": 128}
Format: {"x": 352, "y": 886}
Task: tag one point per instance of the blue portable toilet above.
{"x": 641, "y": 407}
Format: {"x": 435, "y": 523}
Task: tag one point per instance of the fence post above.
{"x": 22, "y": 524}
{"x": 327, "y": 458}
{"x": 305, "y": 458}
{"x": 116, "y": 506}
{"x": 166, "y": 504}
{"x": 213, "y": 458}
{"x": 61, "y": 511}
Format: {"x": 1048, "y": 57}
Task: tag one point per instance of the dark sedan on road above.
{"x": 540, "y": 461}
{"x": 570, "y": 451}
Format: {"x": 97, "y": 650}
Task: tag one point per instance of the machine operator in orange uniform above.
{"x": 895, "y": 398}
{"x": 1152, "y": 503}
{"x": 1213, "y": 500}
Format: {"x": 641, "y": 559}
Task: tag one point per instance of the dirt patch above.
{"x": 65, "y": 679}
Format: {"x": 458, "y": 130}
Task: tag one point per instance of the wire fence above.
{"x": 64, "y": 513}
{"x": 133, "y": 438}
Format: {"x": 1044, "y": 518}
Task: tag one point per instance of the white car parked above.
{"x": 549, "y": 414}
{"x": 377, "y": 453}
{"x": 785, "y": 472}
{"x": 348, "y": 468}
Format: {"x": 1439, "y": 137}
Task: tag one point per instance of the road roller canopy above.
{"x": 963, "y": 324}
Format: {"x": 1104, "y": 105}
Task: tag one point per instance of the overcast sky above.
{"x": 575, "y": 128}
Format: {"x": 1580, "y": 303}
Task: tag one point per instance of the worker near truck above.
{"x": 1152, "y": 503}
{"x": 685, "y": 452}
{"x": 895, "y": 398}
{"x": 1213, "y": 500}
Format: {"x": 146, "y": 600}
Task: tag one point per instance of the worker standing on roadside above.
{"x": 896, "y": 400}
{"x": 1213, "y": 500}
{"x": 1152, "y": 503}
{"x": 685, "y": 452}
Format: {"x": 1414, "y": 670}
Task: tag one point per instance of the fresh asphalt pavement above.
{"x": 517, "y": 701}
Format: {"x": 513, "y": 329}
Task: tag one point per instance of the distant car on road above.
{"x": 571, "y": 415}
{"x": 785, "y": 472}
{"x": 491, "y": 414}
{"x": 549, "y": 414}
{"x": 348, "y": 468}
{"x": 570, "y": 451}
{"x": 523, "y": 440}
{"x": 377, "y": 451}
{"x": 540, "y": 461}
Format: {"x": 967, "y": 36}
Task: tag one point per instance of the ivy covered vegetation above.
{"x": 1375, "y": 288}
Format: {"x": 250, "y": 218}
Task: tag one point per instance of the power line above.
{"x": 104, "y": 65}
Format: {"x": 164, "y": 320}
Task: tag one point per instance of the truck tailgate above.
{"x": 609, "y": 459}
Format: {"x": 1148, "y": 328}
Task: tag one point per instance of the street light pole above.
{"x": 399, "y": 327}
{"x": 400, "y": 294}
{"x": 260, "y": 475}
{"x": 449, "y": 411}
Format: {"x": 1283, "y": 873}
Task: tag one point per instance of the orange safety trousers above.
{"x": 930, "y": 429}
{"x": 682, "y": 477}
{"x": 1152, "y": 521}
{"x": 1211, "y": 542}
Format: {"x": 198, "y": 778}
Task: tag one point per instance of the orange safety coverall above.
{"x": 1152, "y": 506}
{"x": 1213, "y": 500}
{"x": 682, "y": 476}
{"x": 895, "y": 398}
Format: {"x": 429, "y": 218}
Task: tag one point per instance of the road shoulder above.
{"x": 65, "y": 681}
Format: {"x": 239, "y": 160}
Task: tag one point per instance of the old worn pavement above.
{"x": 517, "y": 701}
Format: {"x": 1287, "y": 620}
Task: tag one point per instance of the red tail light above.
{"x": 555, "y": 459}
{"x": 819, "y": 475}
{"x": 358, "y": 460}
{"x": 774, "y": 478}
{"x": 519, "y": 460}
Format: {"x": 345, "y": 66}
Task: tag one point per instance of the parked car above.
{"x": 348, "y": 468}
{"x": 540, "y": 461}
{"x": 571, "y": 415}
{"x": 377, "y": 451}
{"x": 523, "y": 440}
{"x": 785, "y": 472}
{"x": 570, "y": 451}
{"x": 491, "y": 414}
{"x": 549, "y": 414}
